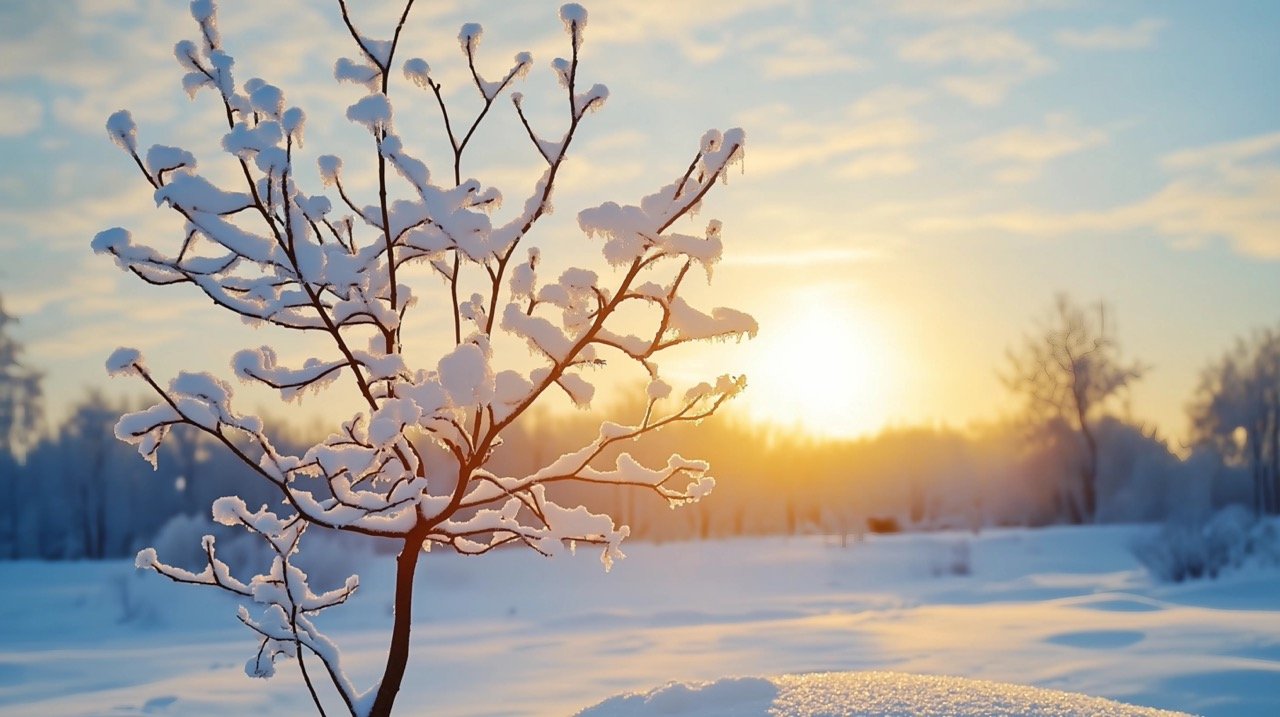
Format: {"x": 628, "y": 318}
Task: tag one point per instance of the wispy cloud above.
{"x": 803, "y": 257}
{"x": 790, "y": 141}
{"x": 628, "y": 140}
{"x": 878, "y": 164}
{"x": 19, "y": 114}
{"x": 788, "y": 48}
{"x": 1224, "y": 191}
{"x": 982, "y": 90}
{"x": 1139, "y": 35}
{"x": 25, "y": 296}
{"x": 39, "y": 40}
{"x": 889, "y": 100}
{"x": 91, "y": 341}
{"x": 1223, "y": 155}
{"x": 807, "y": 56}
{"x": 1000, "y": 60}
{"x": 676, "y": 21}
{"x": 80, "y": 52}
{"x": 1020, "y": 152}
{"x": 954, "y": 9}
{"x": 972, "y": 44}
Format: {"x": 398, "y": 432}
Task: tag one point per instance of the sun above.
{"x": 821, "y": 368}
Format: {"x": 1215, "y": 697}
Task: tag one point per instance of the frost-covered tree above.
{"x": 411, "y": 465}
{"x": 19, "y": 392}
{"x": 1236, "y": 411}
{"x": 19, "y": 420}
{"x": 1065, "y": 373}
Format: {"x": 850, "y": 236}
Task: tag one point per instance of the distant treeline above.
{"x": 80, "y": 493}
{"x": 75, "y": 491}
{"x": 771, "y": 482}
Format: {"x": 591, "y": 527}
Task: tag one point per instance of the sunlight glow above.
{"x": 822, "y": 368}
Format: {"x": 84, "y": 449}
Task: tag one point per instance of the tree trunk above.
{"x": 11, "y": 511}
{"x": 1273, "y": 449}
{"x": 1089, "y": 473}
{"x": 398, "y": 653}
{"x": 1254, "y": 438}
{"x": 100, "y": 539}
{"x": 1069, "y": 502}
{"x": 86, "y": 520}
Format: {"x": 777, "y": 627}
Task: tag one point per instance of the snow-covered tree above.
{"x": 1236, "y": 411}
{"x": 19, "y": 392}
{"x": 19, "y": 420}
{"x": 411, "y": 465}
{"x": 1065, "y": 374}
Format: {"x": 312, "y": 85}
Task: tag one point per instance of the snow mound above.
{"x": 861, "y": 694}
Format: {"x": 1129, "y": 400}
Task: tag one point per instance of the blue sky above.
{"x": 921, "y": 177}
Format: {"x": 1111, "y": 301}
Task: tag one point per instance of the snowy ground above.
{"x": 861, "y": 694}
{"x": 512, "y": 634}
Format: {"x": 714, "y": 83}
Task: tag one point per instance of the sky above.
{"x": 921, "y": 178}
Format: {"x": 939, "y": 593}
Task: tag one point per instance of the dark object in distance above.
{"x": 883, "y": 525}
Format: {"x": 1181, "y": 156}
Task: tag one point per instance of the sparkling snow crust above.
{"x": 861, "y": 694}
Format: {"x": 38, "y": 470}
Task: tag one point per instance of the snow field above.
{"x": 514, "y": 634}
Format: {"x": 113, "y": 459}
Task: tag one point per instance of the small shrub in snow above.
{"x": 330, "y": 556}
{"x": 132, "y": 605}
{"x": 412, "y": 466}
{"x": 179, "y": 541}
{"x": 1231, "y": 538}
{"x": 951, "y": 558}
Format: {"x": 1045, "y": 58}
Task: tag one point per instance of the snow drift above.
{"x": 861, "y": 694}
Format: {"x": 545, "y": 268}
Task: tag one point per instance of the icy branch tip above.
{"x": 573, "y": 14}
{"x": 228, "y": 509}
{"x": 266, "y": 99}
{"x": 658, "y": 389}
{"x": 124, "y": 361}
{"x": 418, "y": 72}
{"x": 735, "y": 136}
{"x": 202, "y": 10}
{"x": 469, "y": 36}
{"x": 109, "y": 240}
{"x": 293, "y": 120}
{"x": 329, "y": 168}
{"x": 123, "y": 131}
{"x": 145, "y": 558}
{"x": 260, "y": 666}
{"x": 361, "y": 73}
{"x": 373, "y": 111}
